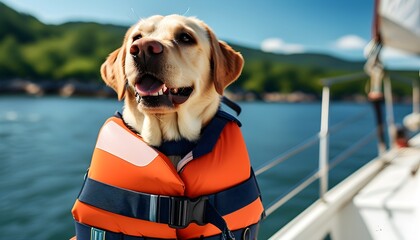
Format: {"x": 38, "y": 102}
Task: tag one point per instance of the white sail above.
{"x": 398, "y": 24}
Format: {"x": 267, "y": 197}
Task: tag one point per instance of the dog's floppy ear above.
{"x": 226, "y": 63}
{"x": 112, "y": 72}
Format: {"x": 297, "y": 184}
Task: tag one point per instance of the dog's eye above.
{"x": 137, "y": 37}
{"x": 186, "y": 38}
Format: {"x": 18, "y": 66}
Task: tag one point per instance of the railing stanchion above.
{"x": 416, "y": 95}
{"x": 323, "y": 142}
{"x": 389, "y": 111}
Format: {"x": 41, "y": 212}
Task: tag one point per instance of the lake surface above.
{"x": 46, "y": 144}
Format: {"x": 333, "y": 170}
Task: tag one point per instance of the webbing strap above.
{"x": 178, "y": 212}
{"x": 234, "y": 106}
{"x": 85, "y": 232}
{"x": 215, "y": 218}
{"x": 237, "y": 197}
{"x": 122, "y": 202}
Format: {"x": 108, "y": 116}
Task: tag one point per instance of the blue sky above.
{"x": 338, "y": 27}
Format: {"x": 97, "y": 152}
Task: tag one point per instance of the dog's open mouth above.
{"x": 154, "y": 93}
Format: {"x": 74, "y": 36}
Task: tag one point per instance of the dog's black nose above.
{"x": 147, "y": 47}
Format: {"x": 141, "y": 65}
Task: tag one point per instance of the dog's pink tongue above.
{"x": 148, "y": 85}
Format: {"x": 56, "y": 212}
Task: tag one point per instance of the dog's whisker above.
{"x": 185, "y": 13}
{"x": 137, "y": 17}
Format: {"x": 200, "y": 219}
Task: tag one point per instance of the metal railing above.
{"x": 322, "y": 138}
{"x": 389, "y": 101}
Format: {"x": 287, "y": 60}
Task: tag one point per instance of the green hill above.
{"x": 285, "y": 73}
{"x": 30, "y": 49}
{"x": 300, "y": 59}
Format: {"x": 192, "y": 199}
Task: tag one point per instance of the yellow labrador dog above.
{"x": 171, "y": 71}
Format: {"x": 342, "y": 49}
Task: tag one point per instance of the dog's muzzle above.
{"x": 152, "y": 92}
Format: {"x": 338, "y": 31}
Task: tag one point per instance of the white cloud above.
{"x": 350, "y": 42}
{"x": 277, "y": 45}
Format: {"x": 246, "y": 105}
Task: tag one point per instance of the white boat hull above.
{"x": 381, "y": 201}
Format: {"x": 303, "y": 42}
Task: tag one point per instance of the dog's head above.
{"x": 171, "y": 64}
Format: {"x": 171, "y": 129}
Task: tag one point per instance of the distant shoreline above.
{"x": 62, "y": 88}
{"x": 74, "y": 88}
{"x": 94, "y": 89}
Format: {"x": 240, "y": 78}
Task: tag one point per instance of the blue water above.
{"x": 46, "y": 144}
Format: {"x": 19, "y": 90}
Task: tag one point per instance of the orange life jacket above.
{"x": 135, "y": 190}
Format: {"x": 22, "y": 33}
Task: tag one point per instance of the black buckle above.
{"x": 184, "y": 211}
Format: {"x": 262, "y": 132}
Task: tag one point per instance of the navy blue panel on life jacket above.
{"x": 176, "y": 148}
{"x": 211, "y": 133}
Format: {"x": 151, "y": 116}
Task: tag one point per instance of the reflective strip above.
{"x": 153, "y": 207}
{"x": 97, "y": 234}
{"x": 117, "y": 141}
{"x": 184, "y": 161}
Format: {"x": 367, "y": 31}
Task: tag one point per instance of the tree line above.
{"x": 32, "y": 50}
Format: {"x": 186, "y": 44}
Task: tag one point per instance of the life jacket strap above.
{"x": 177, "y": 212}
{"x": 85, "y": 232}
{"x": 234, "y": 106}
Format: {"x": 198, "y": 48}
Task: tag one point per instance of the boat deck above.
{"x": 389, "y": 206}
{"x": 380, "y": 201}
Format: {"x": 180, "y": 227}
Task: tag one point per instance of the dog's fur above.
{"x": 182, "y": 52}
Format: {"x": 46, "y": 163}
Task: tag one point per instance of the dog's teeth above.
{"x": 155, "y": 94}
{"x": 174, "y": 90}
{"x": 160, "y": 92}
{"x": 138, "y": 97}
